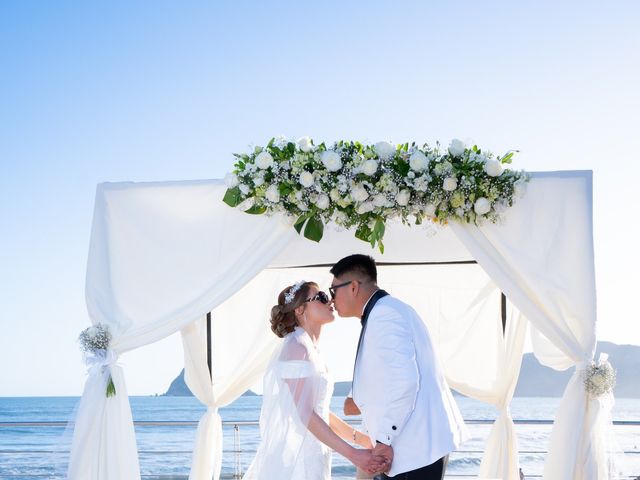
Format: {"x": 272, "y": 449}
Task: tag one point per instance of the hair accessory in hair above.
{"x": 291, "y": 294}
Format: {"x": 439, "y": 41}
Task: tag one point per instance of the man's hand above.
{"x": 384, "y": 451}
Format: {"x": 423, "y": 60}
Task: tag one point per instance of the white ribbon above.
{"x": 100, "y": 359}
{"x": 100, "y": 364}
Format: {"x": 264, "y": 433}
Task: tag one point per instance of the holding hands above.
{"x": 384, "y": 451}
{"x": 368, "y": 461}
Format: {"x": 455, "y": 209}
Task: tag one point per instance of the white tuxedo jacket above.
{"x": 400, "y": 388}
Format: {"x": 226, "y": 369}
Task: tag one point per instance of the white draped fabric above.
{"x": 542, "y": 259}
{"x": 104, "y": 442}
{"x": 462, "y": 308}
{"x": 207, "y": 453}
{"x": 233, "y": 370}
{"x": 158, "y": 260}
{"x": 164, "y": 254}
{"x": 500, "y": 459}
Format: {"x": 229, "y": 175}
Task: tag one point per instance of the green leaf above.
{"x": 276, "y": 151}
{"x": 507, "y": 158}
{"x": 377, "y": 233}
{"x": 284, "y": 189}
{"x": 381, "y": 246}
{"x": 233, "y": 197}
{"x": 379, "y": 228}
{"x": 300, "y": 222}
{"x": 256, "y": 210}
{"x": 111, "y": 388}
{"x": 314, "y": 229}
{"x": 363, "y": 232}
{"x": 401, "y": 167}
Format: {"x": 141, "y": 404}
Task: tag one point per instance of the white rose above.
{"x": 331, "y": 160}
{"x": 430, "y": 210}
{"x": 411, "y": 175}
{"x": 365, "y": 207}
{"x": 264, "y": 160}
{"x": 258, "y": 180}
{"x": 493, "y": 168}
{"x": 322, "y": 201}
{"x": 403, "y": 197}
{"x": 369, "y": 167}
{"x": 456, "y": 148}
{"x": 380, "y": 200}
{"x": 519, "y": 188}
{"x": 450, "y": 184}
{"x": 272, "y": 194}
{"x": 231, "y": 180}
{"x": 385, "y": 150}
{"x": 339, "y": 217}
{"x": 244, "y": 188}
{"x": 306, "y": 179}
{"x": 422, "y": 183}
{"x": 418, "y": 161}
{"x": 305, "y": 144}
{"x": 359, "y": 193}
{"x": 482, "y": 206}
{"x": 335, "y": 195}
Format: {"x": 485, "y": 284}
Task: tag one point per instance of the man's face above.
{"x": 343, "y": 295}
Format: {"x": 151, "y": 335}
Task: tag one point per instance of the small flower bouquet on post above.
{"x": 95, "y": 341}
{"x": 599, "y": 378}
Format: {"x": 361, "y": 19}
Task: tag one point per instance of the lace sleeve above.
{"x": 289, "y": 396}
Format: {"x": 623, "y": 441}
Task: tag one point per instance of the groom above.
{"x": 398, "y": 384}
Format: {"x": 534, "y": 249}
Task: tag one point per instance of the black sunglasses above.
{"x": 320, "y": 296}
{"x": 333, "y": 288}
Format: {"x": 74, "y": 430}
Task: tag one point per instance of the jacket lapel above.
{"x": 365, "y": 316}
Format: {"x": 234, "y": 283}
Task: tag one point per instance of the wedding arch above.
{"x": 164, "y": 254}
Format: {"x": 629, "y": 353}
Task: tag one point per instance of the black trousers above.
{"x": 435, "y": 471}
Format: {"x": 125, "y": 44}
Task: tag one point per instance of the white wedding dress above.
{"x": 297, "y": 383}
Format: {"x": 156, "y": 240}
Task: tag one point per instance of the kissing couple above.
{"x": 410, "y": 421}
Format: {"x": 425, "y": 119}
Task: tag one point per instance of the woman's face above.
{"x": 317, "y": 312}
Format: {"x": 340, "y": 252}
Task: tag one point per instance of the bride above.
{"x": 298, "y": 431}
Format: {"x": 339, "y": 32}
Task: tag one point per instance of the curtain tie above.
{"x": 100, "y": 360}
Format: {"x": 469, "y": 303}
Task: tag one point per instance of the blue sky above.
{"x": 110, "y": 91}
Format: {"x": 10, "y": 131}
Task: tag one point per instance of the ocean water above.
{"x": 165, "y": 451}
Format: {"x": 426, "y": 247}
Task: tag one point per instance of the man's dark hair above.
{"x": 364, "y": 265}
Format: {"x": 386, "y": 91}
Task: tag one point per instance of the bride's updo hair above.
{"x": 283, "y": 317}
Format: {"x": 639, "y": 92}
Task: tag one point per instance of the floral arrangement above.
{"x": 362, "y": 186}
{"x": 599, "y": 378}
{"x": 95, "y": 341}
